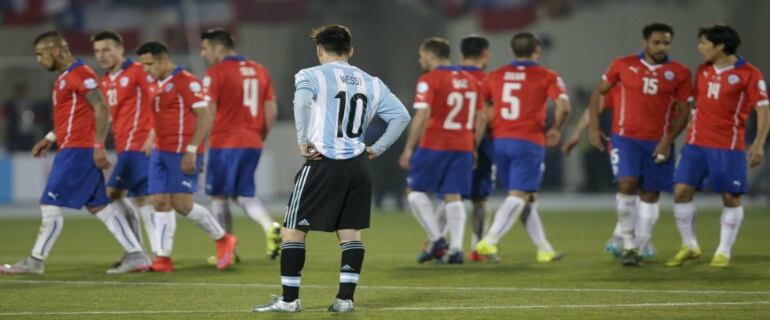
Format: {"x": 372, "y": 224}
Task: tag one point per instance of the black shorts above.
{"x": 331, "y": 195}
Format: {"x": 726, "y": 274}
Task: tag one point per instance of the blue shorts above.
{"x": 634, "y": 158}
{"x": 444, "y": 172}
{"x": 520, "y": 164}
{"x": 166, "y": 174}
{"x": 75, "y": 181}
{"x": 722, "y": 170}
{"x": 130, "y": 173}
{"x": 230, "y": 172}
{"x": 481, "y": 186}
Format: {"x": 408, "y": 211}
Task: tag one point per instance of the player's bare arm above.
{"x": 416, "y": 130}
{"x": 271, "y": 115}
{"x": 41, "y": 147}
{"x": 574, "y": 138}
{"x": 481, "y": 126}
{"x": 595, "y": 136}
{"x": 561, "y": 116}
{"x": 102, "y": 117}
{"x": 203, "y": 121}
{"x": 756, "y": 152}
{"x": 679, "y": 123}
{"x": 147, "y": 146}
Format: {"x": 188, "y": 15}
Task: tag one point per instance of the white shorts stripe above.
{"x": 295, "y": 198}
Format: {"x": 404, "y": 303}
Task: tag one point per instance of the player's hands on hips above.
{"x": 41, "y": 148}
{"x": 309, "y": 151}
{"x": 405, "y": 158}
{"x": 662, "y": 151}
{"x": 100, "y": 158}
{"x": 570, "y": 144}
{"x": 596, "y": 138}
{"x": 552, "y": 137}
{"x": 370, "y": 153}
{"x": 188, "y": 163}
{"x": 755, "y": 155}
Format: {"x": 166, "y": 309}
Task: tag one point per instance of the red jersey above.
{"x": 645, "y": 101}
{"x": 175, "y": 98}
{"x": 518, "y": 92}
{"x": 73, "y": 116}
{"x": 240, "y": 88}
{"x": 453, "y": 98}
{"x": 723, "y": 99}
{"x": 128, "y": 94}
{"x": 476, "y": 72}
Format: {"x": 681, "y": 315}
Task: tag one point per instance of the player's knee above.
{"x": 162, "y": 204}
{"x": 649, "y": 197}
{"x": 683, "y": 193}
{"x": 525, "y": 196}
{"x": 628, "y": 185}
{"x": 181, "y": 206}
{"x": 140, "y": 201}
{"x": 349, "y": 235}
{"x": 452, "y": 198}
{"x": 731, "y": 200}
{"x": 292, "y": 235}
{"x": 115, "y": 194}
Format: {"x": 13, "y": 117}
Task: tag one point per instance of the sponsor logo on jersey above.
{"x": 195, "y": 87}
{"x": 422, "y": 87}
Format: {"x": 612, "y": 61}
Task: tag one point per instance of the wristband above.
{"x": 191, "y": 149}
{"x": 50, "y": 136}
{"x": 98, "y": 146}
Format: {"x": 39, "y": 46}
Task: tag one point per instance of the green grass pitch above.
{"x": 587, "y": 283}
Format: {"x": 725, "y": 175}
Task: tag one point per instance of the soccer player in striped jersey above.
{"x": 517, "y": 94}
{"x": 182, "y": 119}
{"x": 333, "y": 105}
{"x": 81, "y": 124}
{"x": 726, "y": 89}
{"x": 652, "y": 108}
{"x": 448, "y": 122}
{"x": 128, "y": 90}
{"x": 241, "y": 92}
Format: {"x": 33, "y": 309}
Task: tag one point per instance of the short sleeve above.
{"x": 757, "y": 90}
{"x": 556, "y": 88}
{"x": 86, "y": 82}
{"x": 193, "y": 92}
{"x": 684, "y": 87}
{"x": 303, "y": 80}
{"x": 612, "y": 75}
{"x": 210, "y": 91}
{"x": 424, "y": 92}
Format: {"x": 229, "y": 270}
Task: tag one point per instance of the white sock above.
{"x": 684, "y": 213}
{"x": 645, "y": 222}
{"x": 441, "y": 219}
{"x": 626, "y": 205}
{"x": 535, "y": 229}
{"x": 133, "y": 217}
{"x": 731, "y": 223}
{"x": 50, "y": 229}
{"x": 478, "y": 222}
{"x": 118, "y": 226}
{"x": 256, "y": 211}
{"x": 455, "y": 217}
{"x": 148, "y": 218}
{"x": 165, "y": 228}
{"x": 203, "y": 218}
{"x": 220, "y": 209}
{"x": 422, "y": 209}
{"x": 505, "y": 217}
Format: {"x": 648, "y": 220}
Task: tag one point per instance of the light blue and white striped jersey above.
{"x": 345, "y": 99}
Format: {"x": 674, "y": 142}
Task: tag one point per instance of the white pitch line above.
{"x": 460, "y": 308}
{"x": 415, "y": 288}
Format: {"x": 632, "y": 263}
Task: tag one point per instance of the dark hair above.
{"x": 524, "y": 44}
{"x": 333, "y": 38}
{"x": 721, "y": 34}
{"x": 220, "y": 36}
{"x": 107, "y": 35}
{"x": 437, "y": 46}
{"x": 656, "y": 27}
{"x": 154, "y": 48}
{"x": 50, "y": 36}
{"x": 473, "y": 46}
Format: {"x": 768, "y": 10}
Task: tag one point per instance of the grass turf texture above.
{"x": 587, "y": 283}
